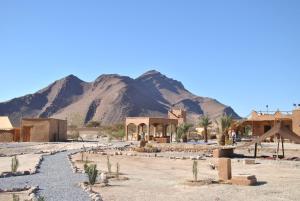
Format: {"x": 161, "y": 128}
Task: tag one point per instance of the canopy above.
{"x": 5, "y": 123}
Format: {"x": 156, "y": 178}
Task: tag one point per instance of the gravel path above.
{"x": 55, "y": 179}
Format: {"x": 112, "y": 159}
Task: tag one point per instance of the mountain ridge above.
{"x": 112, "y": 97}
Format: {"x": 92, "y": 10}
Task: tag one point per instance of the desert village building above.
{"x": 261, "y": 123}
{"x": 33, "y": 130}
{"x": 153, "y": 128}
{"x": 43, "y": 130}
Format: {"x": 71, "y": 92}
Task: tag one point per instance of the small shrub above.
{"x": 41, "y": 198}
{"x": 82, "y": 156}
{"x": 14, "y": 164}
{"x": 85, "y": 167}
{"x": 108, "y": 165}
{"x": 15, "y": 197}
{"x": 118, "y": 171}
{"x": 228, "y": 142}
{"x": 195, "y": 170}
{"x": 93, "y": 124}
{"x": 92, "y": 173}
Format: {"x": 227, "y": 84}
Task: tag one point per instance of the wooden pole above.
{"x": 255, "y": 150}
{"x": 277, "y": 148}
{"x": 282, "y": 147}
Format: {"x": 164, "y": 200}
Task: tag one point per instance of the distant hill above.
{"x": 110, "y": 98}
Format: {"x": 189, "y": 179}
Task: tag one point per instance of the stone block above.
{"x": 223, "y": 153}
{"x": 249, "y": 161}
{"x": 244, "y": 180}
{"x": 224, "y": 169}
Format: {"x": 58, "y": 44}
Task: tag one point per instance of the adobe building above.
{"x": 263, "y": 122}
{"x": 7, "y": 132}
{"x": 154, "y": 128}
{"x": 43, "y": 130}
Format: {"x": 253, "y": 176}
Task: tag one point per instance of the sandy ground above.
{"x": 152, "y": 179}
{"x": 27, "y": 162}
{"x": 23, "y": 195}
{"x": 161, "y": 178}
{"x": 34, "y": 147}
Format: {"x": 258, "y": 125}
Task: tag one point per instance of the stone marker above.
{"x": 223, "y": 152}
{"x": 249, "y": 161}
{"x": 245, "y": 180}
{"x": 224, "y": 169}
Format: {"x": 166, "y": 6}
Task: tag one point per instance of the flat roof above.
{"x": 41, "y": 119}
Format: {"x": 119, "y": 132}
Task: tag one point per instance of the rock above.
{"x": 103, "y": 178}
{"x": 32, "y": 196}
{"x": 26, "y": 172}
{"x": 199, "y": 157}
{"x": 193, "y": 158}
{"x": 249, "y": 161}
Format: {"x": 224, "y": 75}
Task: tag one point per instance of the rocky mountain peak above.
{"x": 110, "y": 98}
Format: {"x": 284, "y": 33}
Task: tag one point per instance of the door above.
{"x": 26, "y": 133}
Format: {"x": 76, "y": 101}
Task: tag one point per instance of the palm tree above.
{"x": 182, "y": 131}
{"x": 225, "y": 122}
{"x": 205, "y": 122}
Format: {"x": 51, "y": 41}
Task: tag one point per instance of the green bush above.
{"x": 93, "y": 124}
{"x": 92, "y": 173}
{"x": 15, "y": 197}
{"x": 14, "y": 164}
{"x": 41, "y": 198}
{"x": 195, "y": 170}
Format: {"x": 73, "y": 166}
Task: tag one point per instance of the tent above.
{"x": 278, "y": 131}
{"x": 5, "y": 123}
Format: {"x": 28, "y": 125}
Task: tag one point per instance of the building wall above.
{"x": 58, "y": 130}
{"x": 6, "y": 136}
{"x": 46, "y": 130}
{"x": 259, "y": 127}
{"x": 178, "y": 114}
{"x": 296, "y": 121}
{"x": 39, "y": 131}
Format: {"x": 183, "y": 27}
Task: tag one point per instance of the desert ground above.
{"x": 149, "y": 176}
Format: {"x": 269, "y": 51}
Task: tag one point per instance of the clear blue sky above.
{"x": 244, "y": 53}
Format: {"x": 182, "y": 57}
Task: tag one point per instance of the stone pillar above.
{"x": 154, "y": 130}
{"x": 126, "y": 130}
{"x": 148, "y": 130}
{"x": 224, "y": 169}
{"x": 138, "y": 132}
{"x": 164, "y": 130}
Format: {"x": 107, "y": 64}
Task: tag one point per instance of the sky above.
{"x": 246, "y": 54}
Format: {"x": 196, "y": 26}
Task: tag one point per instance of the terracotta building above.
{"x": 43, "y": 130}
{"x": 260, "y": 122}
{"x": 154, "y": 128}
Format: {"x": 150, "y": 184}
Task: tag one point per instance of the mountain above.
{"x": 110, "y": 98}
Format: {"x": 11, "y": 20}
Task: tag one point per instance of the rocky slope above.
{"x": 110, "y": 98}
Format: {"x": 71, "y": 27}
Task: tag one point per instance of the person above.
{"x": 233, "y": 135}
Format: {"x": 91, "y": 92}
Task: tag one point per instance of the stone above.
{"x": 224, "y": 169}
{"x": 103, "y": 178}
{"x": 26, "y": 172}
{"x": 244, "y": 180}
{"x": 223, "y": 153}
{"x": 193, "y": 158}
{"x": 249, "y": 161}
